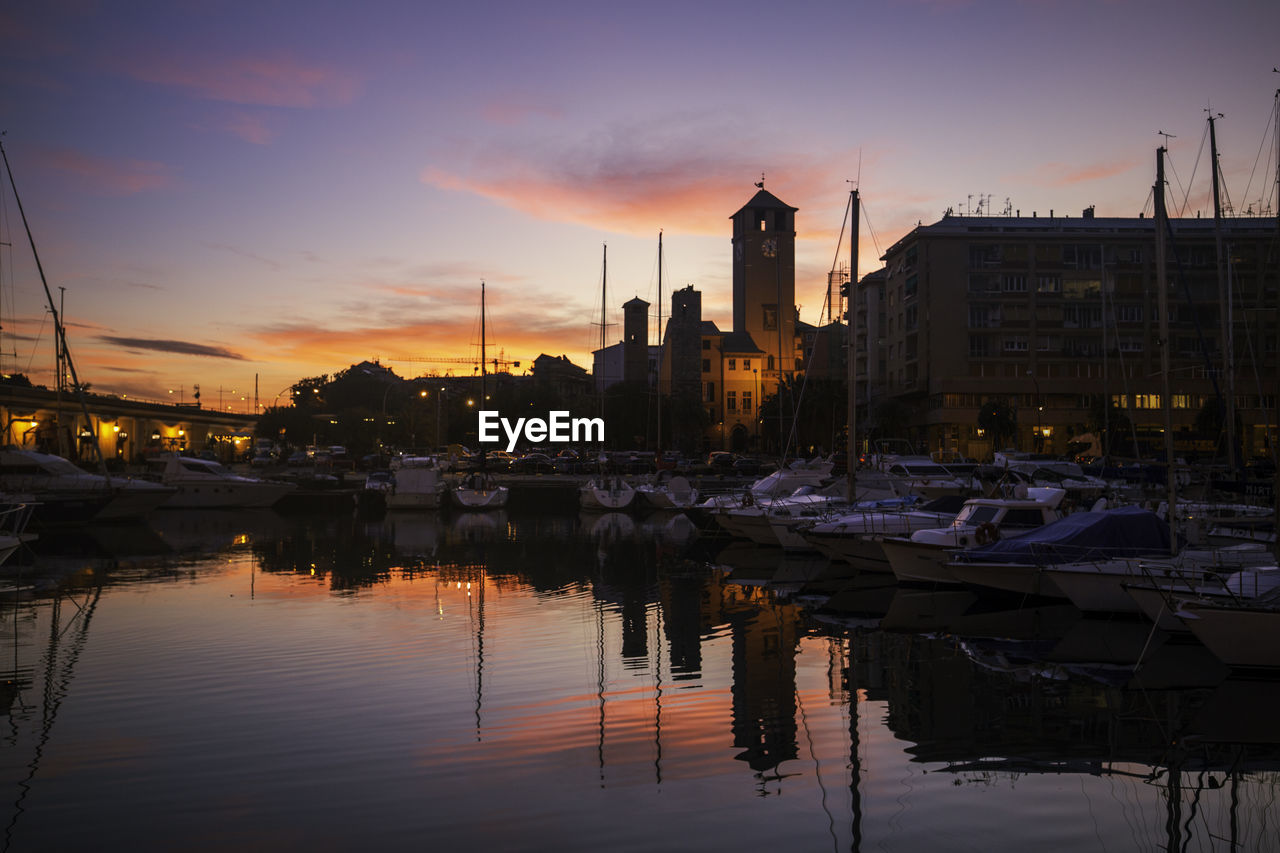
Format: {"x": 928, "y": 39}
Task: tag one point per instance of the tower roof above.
{"x": 765, "y": 199}
{"x": 634, "y": 300}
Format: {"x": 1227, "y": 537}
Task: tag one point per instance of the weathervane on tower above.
{"x": 760, "y": 183}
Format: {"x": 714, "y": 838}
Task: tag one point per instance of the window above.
{"x": 1049, "y": 284}
{"x": 911, "y": 321}
{"x": 983, "y": 317}
{"x": 733, "y": 364}
{"x": 746, "y": 402}
{"x": 1128, "y": 313}
{"x": 979, "y": 346}
{"x": 706, "y": 343}
{"x": 910, "y": 287}
{"x": 1015, "y": 343}
{"x": 746, "y": 364}
{"x": 984, "y": 256}
{"x": 1013, "y": 283}
{"x": 731, "y": 401}
{"x": 770, "y": 318}
{"x": 706, "y": 365}
{"x": 711, "y": 392}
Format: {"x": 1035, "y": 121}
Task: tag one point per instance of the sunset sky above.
{"x": 280, "y": 189}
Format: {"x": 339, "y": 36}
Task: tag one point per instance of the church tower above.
{"x": 635, "y": 340}
{"x": 764, "y": 279}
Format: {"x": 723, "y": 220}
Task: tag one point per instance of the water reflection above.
{"x": 571, "y": 666}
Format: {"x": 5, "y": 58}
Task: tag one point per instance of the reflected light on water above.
{"x": 336, "y": 683}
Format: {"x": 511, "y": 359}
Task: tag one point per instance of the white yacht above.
{"x": 607, "y": 492}
{"x": 478, "y": 490}
{"x": 42, "y": 478}
{"x": 851, "y": 536}
{"x": 924, "y": 556}
{"x": 206, "y": 484}
{"x": 672, "y": 493}
{"x": 415, "y": 484}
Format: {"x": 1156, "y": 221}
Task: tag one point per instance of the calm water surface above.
{"x": 521, "y": 681}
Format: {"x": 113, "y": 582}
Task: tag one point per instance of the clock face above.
{"x": 769, "y": 248}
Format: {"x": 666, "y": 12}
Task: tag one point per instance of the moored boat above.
{"x": 203, "y": 483}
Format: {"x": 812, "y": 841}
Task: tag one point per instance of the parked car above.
{"x": 261, "y": 460}
{"x": 534, "y": 463}
{"x": 720, "y": 461}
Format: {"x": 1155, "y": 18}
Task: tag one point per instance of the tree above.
{"x": 1109, "y": 423}
{"x": 999, "y": 422}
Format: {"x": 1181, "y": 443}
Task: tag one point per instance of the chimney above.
{"x": 1088, "y": 212}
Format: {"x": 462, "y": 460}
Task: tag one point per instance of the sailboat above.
{"x": 478, "y": 490}
{"x": 608, "y": 492}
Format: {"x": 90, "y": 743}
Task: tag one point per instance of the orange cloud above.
{"x": 115, "y": 177}
{"x": 275, "y": 81}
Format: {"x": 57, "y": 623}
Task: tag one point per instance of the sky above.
{"x": 243, "y": 194}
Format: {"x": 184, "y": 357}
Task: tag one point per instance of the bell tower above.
{"x": 764, "y": 279}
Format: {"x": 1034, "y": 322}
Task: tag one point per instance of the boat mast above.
{"x": 482, "y": 342}
{"x": 1224, "y": 307}
{"x": 659, "y": 342}
{"x": 851, "y": 372}
{"x": 604, "y": 301}
{"x": 1162, "y": 305}
{"x": 59, "y": 329}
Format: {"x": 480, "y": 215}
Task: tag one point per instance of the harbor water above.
{"x": 554, "y": 680}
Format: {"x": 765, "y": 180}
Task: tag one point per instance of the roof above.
{"x": 765, "y": 199}
{"x": 739, "y": 342}
{"x": 633, "y": 300}
{"x": 708, "y": 327}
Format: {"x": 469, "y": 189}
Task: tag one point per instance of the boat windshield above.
{"x": 976, "y": 514}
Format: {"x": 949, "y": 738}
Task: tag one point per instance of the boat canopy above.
{"x": 1107, "y": 534}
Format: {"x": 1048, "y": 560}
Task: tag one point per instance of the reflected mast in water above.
{"x": 58, "y": 673}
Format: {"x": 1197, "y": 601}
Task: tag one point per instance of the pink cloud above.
{"x": 251, "y": 128}
{"x": 1064, "y": 175}
{"x": 277, "y": 81}
{"x": 517, "y": 108}
{"x": 626, "y": 183}
{"x": 115, "y": 177}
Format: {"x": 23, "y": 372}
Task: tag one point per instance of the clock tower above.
{"x": 764, "y": 279}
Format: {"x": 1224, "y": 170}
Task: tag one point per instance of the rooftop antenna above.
{"x": 1167, "y": 137}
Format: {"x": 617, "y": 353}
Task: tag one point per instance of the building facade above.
{"x": 1052, "y": 315}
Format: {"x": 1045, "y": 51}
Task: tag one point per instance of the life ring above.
{"x": 986, "y": 533}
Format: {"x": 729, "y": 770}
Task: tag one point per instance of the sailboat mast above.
{"x": 482, "y": 345}
{"x": 659, "y": 339}
{"x": 59, "y": 329}
{"x": 604, "y": 301}
{"x": 1224, "y": 307}
{"x": 1162, "y": 305}
{"x": 851, "y": 372}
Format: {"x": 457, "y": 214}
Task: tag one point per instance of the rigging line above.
{"x": 840, "y": 240}
{"x": 1195, "y": 168}
{"x": 874, "y": 240}
{"x": 1262, "y": 145}
{"x": 44, "y": 318}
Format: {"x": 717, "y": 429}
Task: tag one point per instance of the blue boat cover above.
{"x": 1121, "y": 532}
